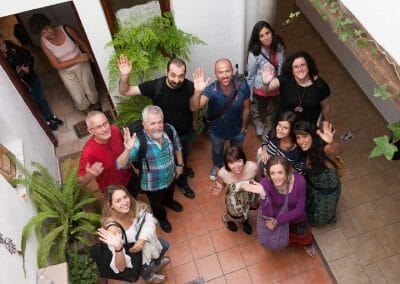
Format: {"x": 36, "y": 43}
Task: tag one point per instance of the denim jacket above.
{"x": 255, "y": 63}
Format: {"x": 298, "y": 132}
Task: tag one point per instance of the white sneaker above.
{"x": 260, "y": 128}
{"x": 213, "y": 173}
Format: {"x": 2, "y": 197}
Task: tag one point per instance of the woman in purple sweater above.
{"x": 281, "y": 180}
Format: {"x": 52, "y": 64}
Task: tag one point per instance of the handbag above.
{"x": 277, "y": 238}
{"x": 102, "y": 255}
{"x": 339, "y": 164}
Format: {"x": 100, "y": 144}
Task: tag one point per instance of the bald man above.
{"x": 228, "y": 101}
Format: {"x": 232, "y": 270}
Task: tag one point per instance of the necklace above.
{"x": 300, "y": 97}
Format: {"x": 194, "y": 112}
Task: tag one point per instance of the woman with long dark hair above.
{"x": 280, "y": 141}
{"x": 323, "y": 183}
{"x": 265, "y": 48}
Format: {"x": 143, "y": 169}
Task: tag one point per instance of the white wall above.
{"x": 219, "y": 23}
{"x": 18, "y": 124}
{"x": 381, "y": 20}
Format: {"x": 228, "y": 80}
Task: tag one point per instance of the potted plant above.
{"x": 148, "y": 44}
{"x": 62, "y": 224}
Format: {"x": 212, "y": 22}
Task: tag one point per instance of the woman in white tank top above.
{"x": 71, "y": 56}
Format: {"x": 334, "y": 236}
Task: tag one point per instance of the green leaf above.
{"x": 395, "y": 127}
{"x": 381, "y": 92}
{"x": 374, "y": 51}
{"x": 46, "y": 244}
{"x": 344, "y": 35}
{"x": 383, "y": 147}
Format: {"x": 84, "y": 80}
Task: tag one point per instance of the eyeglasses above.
{"x": 105, "y": 124}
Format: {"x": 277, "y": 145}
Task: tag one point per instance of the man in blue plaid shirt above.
{"x": 158, "y": 168}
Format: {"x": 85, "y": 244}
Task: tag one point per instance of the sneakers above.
{"x": 57, "y": 121}
{"x": 213, "y": 173}
{"x": 166, "y": 226}
{"x": 231, "y": 226}
{"x": 176, "y": 206}
{"x": 260, "y": 128}
{"x": 54, "y": 123}
{"x": 186, "y": 191}
{"x": 164, "y": 261}
{"x": 246, "y": 226}
{"x": 157, "y": 278}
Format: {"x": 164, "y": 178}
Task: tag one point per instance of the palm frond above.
{"x": 85, "y": 201}
{"x": 88, "y": 228}
{"x": 93, "y": 217}
{"x": 69, "y": 184}
{"x": 47, "y": 243}
{"x": 83, "y": 241}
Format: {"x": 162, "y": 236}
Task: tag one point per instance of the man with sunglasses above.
{"x": 99, "y": 154}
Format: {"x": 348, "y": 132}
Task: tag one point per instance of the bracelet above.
{"x": 118, "y": 250}
{"x": 180, "y": 165}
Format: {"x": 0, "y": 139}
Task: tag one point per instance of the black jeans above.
{"x": 158, "y": 199}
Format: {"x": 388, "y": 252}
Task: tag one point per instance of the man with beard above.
{"x": 158, "y": 167}
{"x": 99, "y": 155}
{"x": 172, "y": 93}
{"x": 228, "y": 101}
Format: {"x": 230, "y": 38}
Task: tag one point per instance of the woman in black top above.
{"x": 302, "y": 91}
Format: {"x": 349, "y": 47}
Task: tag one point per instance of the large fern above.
{"x": 61, "y": 220}
{"x": 149, "y": 45}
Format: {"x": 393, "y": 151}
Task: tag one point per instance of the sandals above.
{"x": 310, "y": 250}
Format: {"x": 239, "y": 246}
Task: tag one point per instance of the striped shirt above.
{"x": 294, "y": 156}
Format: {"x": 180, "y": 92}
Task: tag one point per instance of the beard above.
{"x": 174, "y": 85}
{"x": 157, "y": 134}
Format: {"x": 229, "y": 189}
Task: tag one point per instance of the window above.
{"x": 7, "y": 167}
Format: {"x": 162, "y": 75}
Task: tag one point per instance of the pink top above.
{"x": 67, "y": 50}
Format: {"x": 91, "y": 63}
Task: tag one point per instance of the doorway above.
{"x": 69, "y": 138}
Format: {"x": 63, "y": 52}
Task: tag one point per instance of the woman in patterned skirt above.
{"x": 323, "y": 183}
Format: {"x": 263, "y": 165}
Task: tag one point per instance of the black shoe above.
{"x": 231, "y": 226}
{"x": 246, "y": 227}
{"x": 57, "y": 121}
{"x": 187, "y": 191}
{"x": 52, "y": 125}
{"x": 166, "y": 226}
{"x": 176, "y": 206}
{"x": 189, "y": 172}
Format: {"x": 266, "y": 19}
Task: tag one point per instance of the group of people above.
{"x": 295, "y": 170}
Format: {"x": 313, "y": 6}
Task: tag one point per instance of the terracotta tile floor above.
{"x": 201, "y": 246}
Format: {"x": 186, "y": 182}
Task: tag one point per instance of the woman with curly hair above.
{"x": 323, "y": 183}
{"x": 302, "y": 90}
{"x": 265, "y": 48}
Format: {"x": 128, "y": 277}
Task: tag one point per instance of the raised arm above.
{"x": 270, "y": 82}
{"x": 125, "y": 68}
{"x": 198, "y": 100}
{"x": 129, "y": 142}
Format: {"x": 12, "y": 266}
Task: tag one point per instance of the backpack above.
{"x": 137, "y": 127}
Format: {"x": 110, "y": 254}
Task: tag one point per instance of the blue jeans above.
{"x": 217, "y": 144}
{"x": 36, "y": 93}
{"x": 148, "y": 269}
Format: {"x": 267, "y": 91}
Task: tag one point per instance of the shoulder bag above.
{"x": 279, "y": 237}
{"x": 102, "y": 255}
